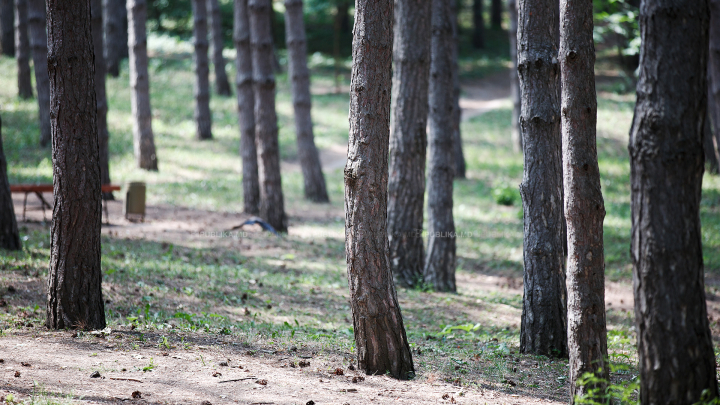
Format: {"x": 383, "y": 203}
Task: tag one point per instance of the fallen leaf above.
{"x": 261, "y": 382}
{"x": 96, "y": 374}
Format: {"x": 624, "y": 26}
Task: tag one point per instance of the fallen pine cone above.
{"x": 338, "y": 371}
{"x": 136, "y": 394}
{"x": 17, "y": 374}
{"x": 261, "y": 382}
{"x": 304, "y": 363}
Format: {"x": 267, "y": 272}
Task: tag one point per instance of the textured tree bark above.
{"x": 100, "y": 93}
{"x": 7, "y": 27}
{"x": 203, "y": 116}
{"x": 584, "y": 206}
{"x": 38, "y": 44}
{"x": 496, "y": 9}
{"x": 315, "y": 189}
{"x": 478, "y": 38}
{"x": 74, "y": 280}
{"x": 458, "y": 155}
{"x": 116, "y": 34}
{"x": 22, "y": 49}
{"x": 439, "y": 271}
{"x": 408, "y": 140}
{"x": 246, "y": 107}
{"x": 222, "y": 85}
{"x": 675, "y": 349}
{"x": 9, "y": 235}
{"x": 143, "y": 139}
{"x": 714, "y": 75}
{"x": 543, "y": 328}
{"x": 272, "y": 207}
{"x": 382, "y": 346}
{"x": 709, "y": 145}
{"x": 514, "y": 81}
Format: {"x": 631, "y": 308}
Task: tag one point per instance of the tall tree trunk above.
{"x": 222, "y": 85}
{"x": 337, "y": 30}
{"x": 7, "y": 27}
{"x": 496, "y": 8}
{"x": 478, "y": 38}
{"x": 543, "y": 328}
{"x": 116, "y": 34}
{"x": 143, "y": 139}
{"x": 408, "y": 140}
{"x": 584, "y": 206}
{"x": 9, "y": 235}
{"x": 458, "y": 154}
{"x": 38, "y": 44}
{"x": 439, "y": 269}
{"x": 74, "y": 280}
{"x": 246, "y": 107}
{"x": 675, "y": 348}
{"x": 514, "y": 81}
{"x": 203, "y": 116}
{"x": 272, "y": 207}
{"x": 315, "y": 189}
{"x": 100, "y": 93}
{"x": 22, "y": 49}
{"x": 714, "y": 75}
{"x": 382, "y": 345}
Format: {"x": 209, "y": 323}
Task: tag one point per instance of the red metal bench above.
{"x": 38, "y": 189}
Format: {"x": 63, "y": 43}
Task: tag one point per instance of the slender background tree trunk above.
{"x": 458, "y": 154}
{"x": 222, "y": 85}
{"x": 74, "y": 280}
{"x": 478, "y": 38}
{"x": 496, "y": 9}
{"x": 543, "y": 328}
{"x": 714, "y": 75}
{"x": 272, "y": 207}
{"x": 408, "y": 140}
{"x": 22, "y": 49}
{"x": 143, "y": 139}
{"x": 709, "y": 145}
{"x": 584, "y": 206}
{"x": 38, "y": 44}
{"x": 514, "y": 81}
{"x": 203, "y": 116}
{"x": 439, "y": 269}
{"x": 100, "y": 94}
{"x": 116, "y": 34}
{"x": 315, "y": 189}
{"x": 9, "y": 235}
{"x": 7, "y": 27}
{"x": 246, "y": 107}
{"x": 675, "y": 349}
{"x": 380, "y": 339}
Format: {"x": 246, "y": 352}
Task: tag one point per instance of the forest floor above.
{"x": 199, "y": 311}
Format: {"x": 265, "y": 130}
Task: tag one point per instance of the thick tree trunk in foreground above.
{"x": 408, "y": 140}
{"x": 22, "y": 49}
{"x": 246, "y": 108}
{"x": 382, "y": 346}
{"x": 272, "y": 207}
{"x": 203, "y": 116}
{"x": 74, "y": 280}
{"x": 222, "y": 85}
{"x": 143, "y": 139}
{"x": 38, "y": 43}
{"x": 439, "y": 271}
{"x": 713, "y": 79}
{"x": 315, "y": 189}
{"x": 543, "y": 328}
{"x": 458, "y": 154}
{"x": 7, "y": 27}
{"x": 514, "y": 80}
{"x": 9, "y": 235}
{"x": 116, "y": 34}
{"x": 496, "y": 9}
{"x": 584, "y": 206}
{"x": 675, "y": 349}
{"x": 478, "y": 38}
{"x": 100, "y": 93}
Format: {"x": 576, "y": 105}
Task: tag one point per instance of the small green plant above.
{"x": 149, "y": 367}
{"x": 602, "y": 392}
{"x": 164, "y": 343}
{"x": 504, "y": 194}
